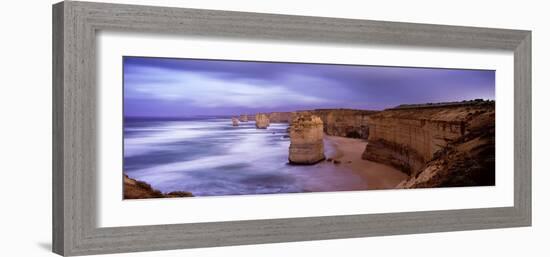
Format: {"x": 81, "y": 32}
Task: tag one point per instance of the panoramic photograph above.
{"x": 198, "y": 127}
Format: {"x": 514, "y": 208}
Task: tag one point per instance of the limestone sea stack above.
{"x": 235, "y": 122}
{"x": 306, "y": 139}
{"x": 262, "y": 121}
{"x": 243, "y": 118}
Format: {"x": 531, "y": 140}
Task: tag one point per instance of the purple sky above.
{"x": 162, "y": 87}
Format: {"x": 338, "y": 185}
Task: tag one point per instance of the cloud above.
{"x": 176, "y": 87}
{"x": 206, "y": 89}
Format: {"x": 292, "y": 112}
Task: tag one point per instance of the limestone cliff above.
{"x": 468, "y": 160}
{"x": 243, "y": 118}
{"x": 280, "y": 117}
{"x": 344, "y": 122}
{"x": 336, "y": 122}
{"x": 306, "y": 139}
{"x": 135, "y": 189}
{"x": 437, "y": 145}
{"x": 262, "y": 121}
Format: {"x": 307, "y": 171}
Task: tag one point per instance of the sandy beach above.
{"x": 349, "y": 150}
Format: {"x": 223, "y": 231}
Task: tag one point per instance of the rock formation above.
{"x": 469, "y": 160}
{"x": 235, "y": 122}
{"x": 243, "y": 118}
{"x": 306, "y": 139}
{"x": 135, "y": 189}
{"x": 344, "y": 122}
{"x": 280, "y": 117}
{"x": 436, "y": 145}
{"x": 336, "y": 122}
{"x": 262, "y": 121}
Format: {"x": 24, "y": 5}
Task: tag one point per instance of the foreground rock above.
{"x": 135, "y": 189}
{"x": 436, "y": 145}
{"x": 235, "y": 122}
{"x": 466, "y": 161}
{"x": 306, "y": 139}
{"x": 262, "y": 121}
{"x": 243, "y": 118}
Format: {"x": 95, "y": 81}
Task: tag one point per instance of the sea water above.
{"x": 208, "y": 156}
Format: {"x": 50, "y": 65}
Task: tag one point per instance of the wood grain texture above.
{"x": 75, "y": 25}
{"x": 58, "y": 216}
{"x": 522, "y": 128}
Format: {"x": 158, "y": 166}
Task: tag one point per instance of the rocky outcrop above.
{"x": 345, "y": 122}
{"x": 135, "y": 189}
{"x": 280, "y": 117}
{"x": 243, "y": 118}
{"x": 235, "y": 122}
{"x": 262, "y": 121}
{"x": 336, "y": 122}
{"x": 440, "y": 145}
{"x": 274, "y": 117}
{"x": 306, "y": 139}
{"x": 468, "y": 160}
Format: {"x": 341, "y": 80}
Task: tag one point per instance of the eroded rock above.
{"x": 436, "y": 145}
{"x": 280, "y": 117}
{"x": 235, "y": 122}
{"x": 262, "y": 121}
{"x": 344, "y": 122}
{"x": 135, "y": 189}
{"x": 466, "y": 161}
{"x": 306, "y": 139}
{"x": 243, "y": 118}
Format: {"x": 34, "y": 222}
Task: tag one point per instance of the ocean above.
{"x": 209, "y": 157}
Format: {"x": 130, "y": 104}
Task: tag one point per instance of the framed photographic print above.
{"x": 182, "y": 128}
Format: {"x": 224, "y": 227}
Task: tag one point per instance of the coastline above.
{"x": 136, "y": 189}
{"x": 349, "y": 150}
{"x": 264, "y": 170}
{"x": 243, "y": 160}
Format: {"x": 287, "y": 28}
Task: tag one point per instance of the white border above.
{"x": 115, "y": 212}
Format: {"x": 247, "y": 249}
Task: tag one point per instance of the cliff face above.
{"x": 135, "y": 189}
{"x": 466, "y": 161}
{"x": 262, "y": 121}
{"x": 306, "y": 139}
{"x": 243, "y": 118}
{"x": 280, "y": 117}
{"x": 408, "y": 142}
{"x": 343, "y": 122}
{"x": 336, "y": 122}
{"x": 435, "y": 145}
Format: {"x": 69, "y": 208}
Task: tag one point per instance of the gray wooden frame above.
{"x": 75, "y": 25}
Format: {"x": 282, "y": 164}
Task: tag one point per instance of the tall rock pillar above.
{"x": 262, "y": 121}
{"x": 306, "y": 139}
